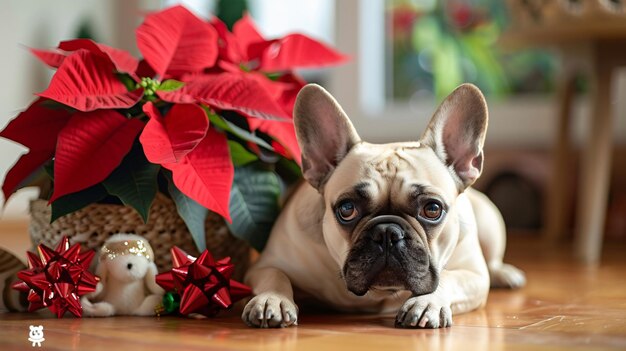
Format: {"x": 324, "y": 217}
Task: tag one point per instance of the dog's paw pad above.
{"x": 270, "y": 311}
{"x": 425, "y": 311}
{"x": 507, "y": 276}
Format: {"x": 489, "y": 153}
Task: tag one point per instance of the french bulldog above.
{"x": 384, "y": 228}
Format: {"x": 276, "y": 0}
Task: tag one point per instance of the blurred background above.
{"x": 407, "y": 55}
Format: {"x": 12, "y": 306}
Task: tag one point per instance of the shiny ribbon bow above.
{"x": 204, "y": 284}
{"x": 57, "y": 278}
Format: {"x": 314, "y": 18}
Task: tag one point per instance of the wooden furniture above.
{"x": 590, "y": 37}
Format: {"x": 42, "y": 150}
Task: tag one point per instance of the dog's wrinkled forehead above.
{"x": 391, "y": 170}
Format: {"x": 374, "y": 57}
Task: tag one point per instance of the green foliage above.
{"x": 170, "y": 85}
{"x": 288, "y": 170}
{"x": 127, "y": 80}
{"x": 438, "y": 45}
{"x": 85, "y": 30}
{"x": 76, "y": 201}
{"x": 192, "y": 213}
{"x": 254, "y": 204}
{"x": 134, "y": 182}
{"x": 229, "y": 11}
{"x": 240, "y": 155}
{"x": 446, "y": 67}
{"x": 241, "y": 133}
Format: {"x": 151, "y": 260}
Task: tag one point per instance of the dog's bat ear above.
{"x": 324, "y": 132}
{"x": 457, "y": 132}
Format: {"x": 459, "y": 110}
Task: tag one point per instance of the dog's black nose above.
{"x": 129, "y": 266}
{"x": 387, "y": 234}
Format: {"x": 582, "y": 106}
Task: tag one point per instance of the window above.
{"x": 366, "y": 88}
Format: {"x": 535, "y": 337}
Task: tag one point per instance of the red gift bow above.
{"x": 203, "y": 283}
{"x": 57, "y": 278}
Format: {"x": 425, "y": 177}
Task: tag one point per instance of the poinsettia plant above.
{"x": 205, "y": 117}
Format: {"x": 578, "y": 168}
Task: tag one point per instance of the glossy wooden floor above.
{"x": 564, "y": 307}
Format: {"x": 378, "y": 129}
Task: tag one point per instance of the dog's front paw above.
{"x": 507, "y": 276}
{"x": 426, "y": 311}
{"x": 270, "y": 311}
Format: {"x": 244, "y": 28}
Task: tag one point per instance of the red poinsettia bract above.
{"x": 101, "y": 99}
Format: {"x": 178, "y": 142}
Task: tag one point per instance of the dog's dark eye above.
{"x": 346, "y": 211}
{"x": 431, "y": 211}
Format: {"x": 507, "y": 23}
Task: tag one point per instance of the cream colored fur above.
{"x": 307, "y": 247}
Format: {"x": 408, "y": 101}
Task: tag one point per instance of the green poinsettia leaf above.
{"x": 49, "y": 169}
{"x": 240, "y": 155}
{"x": 127, "y": 80}
{"x": 170, "y": 85}
{"x": 216, "y": 120}
{"x": 254, "y": 204}
{"x": 239, "y": 132}
{"x": 288, "y": 170}
{"x": 192, "y": 213}
{"x": 76, "y": 201}
{"x": 53, "y": 105}
{"x": 134, "y": 182}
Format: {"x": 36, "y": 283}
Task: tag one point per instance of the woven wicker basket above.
{"x": 95, "y": 223}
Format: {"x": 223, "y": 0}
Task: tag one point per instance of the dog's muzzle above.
{"x": 387, "y": 231}
{"x": 387, "y": 235}
{"x": 387, "y": 254}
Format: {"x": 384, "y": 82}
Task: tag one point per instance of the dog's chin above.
{"x": 379, "y": 292}
{"x": 376, "y": 290}
{"x": 383, "y": 282}
{"x": 377, "y": 280}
